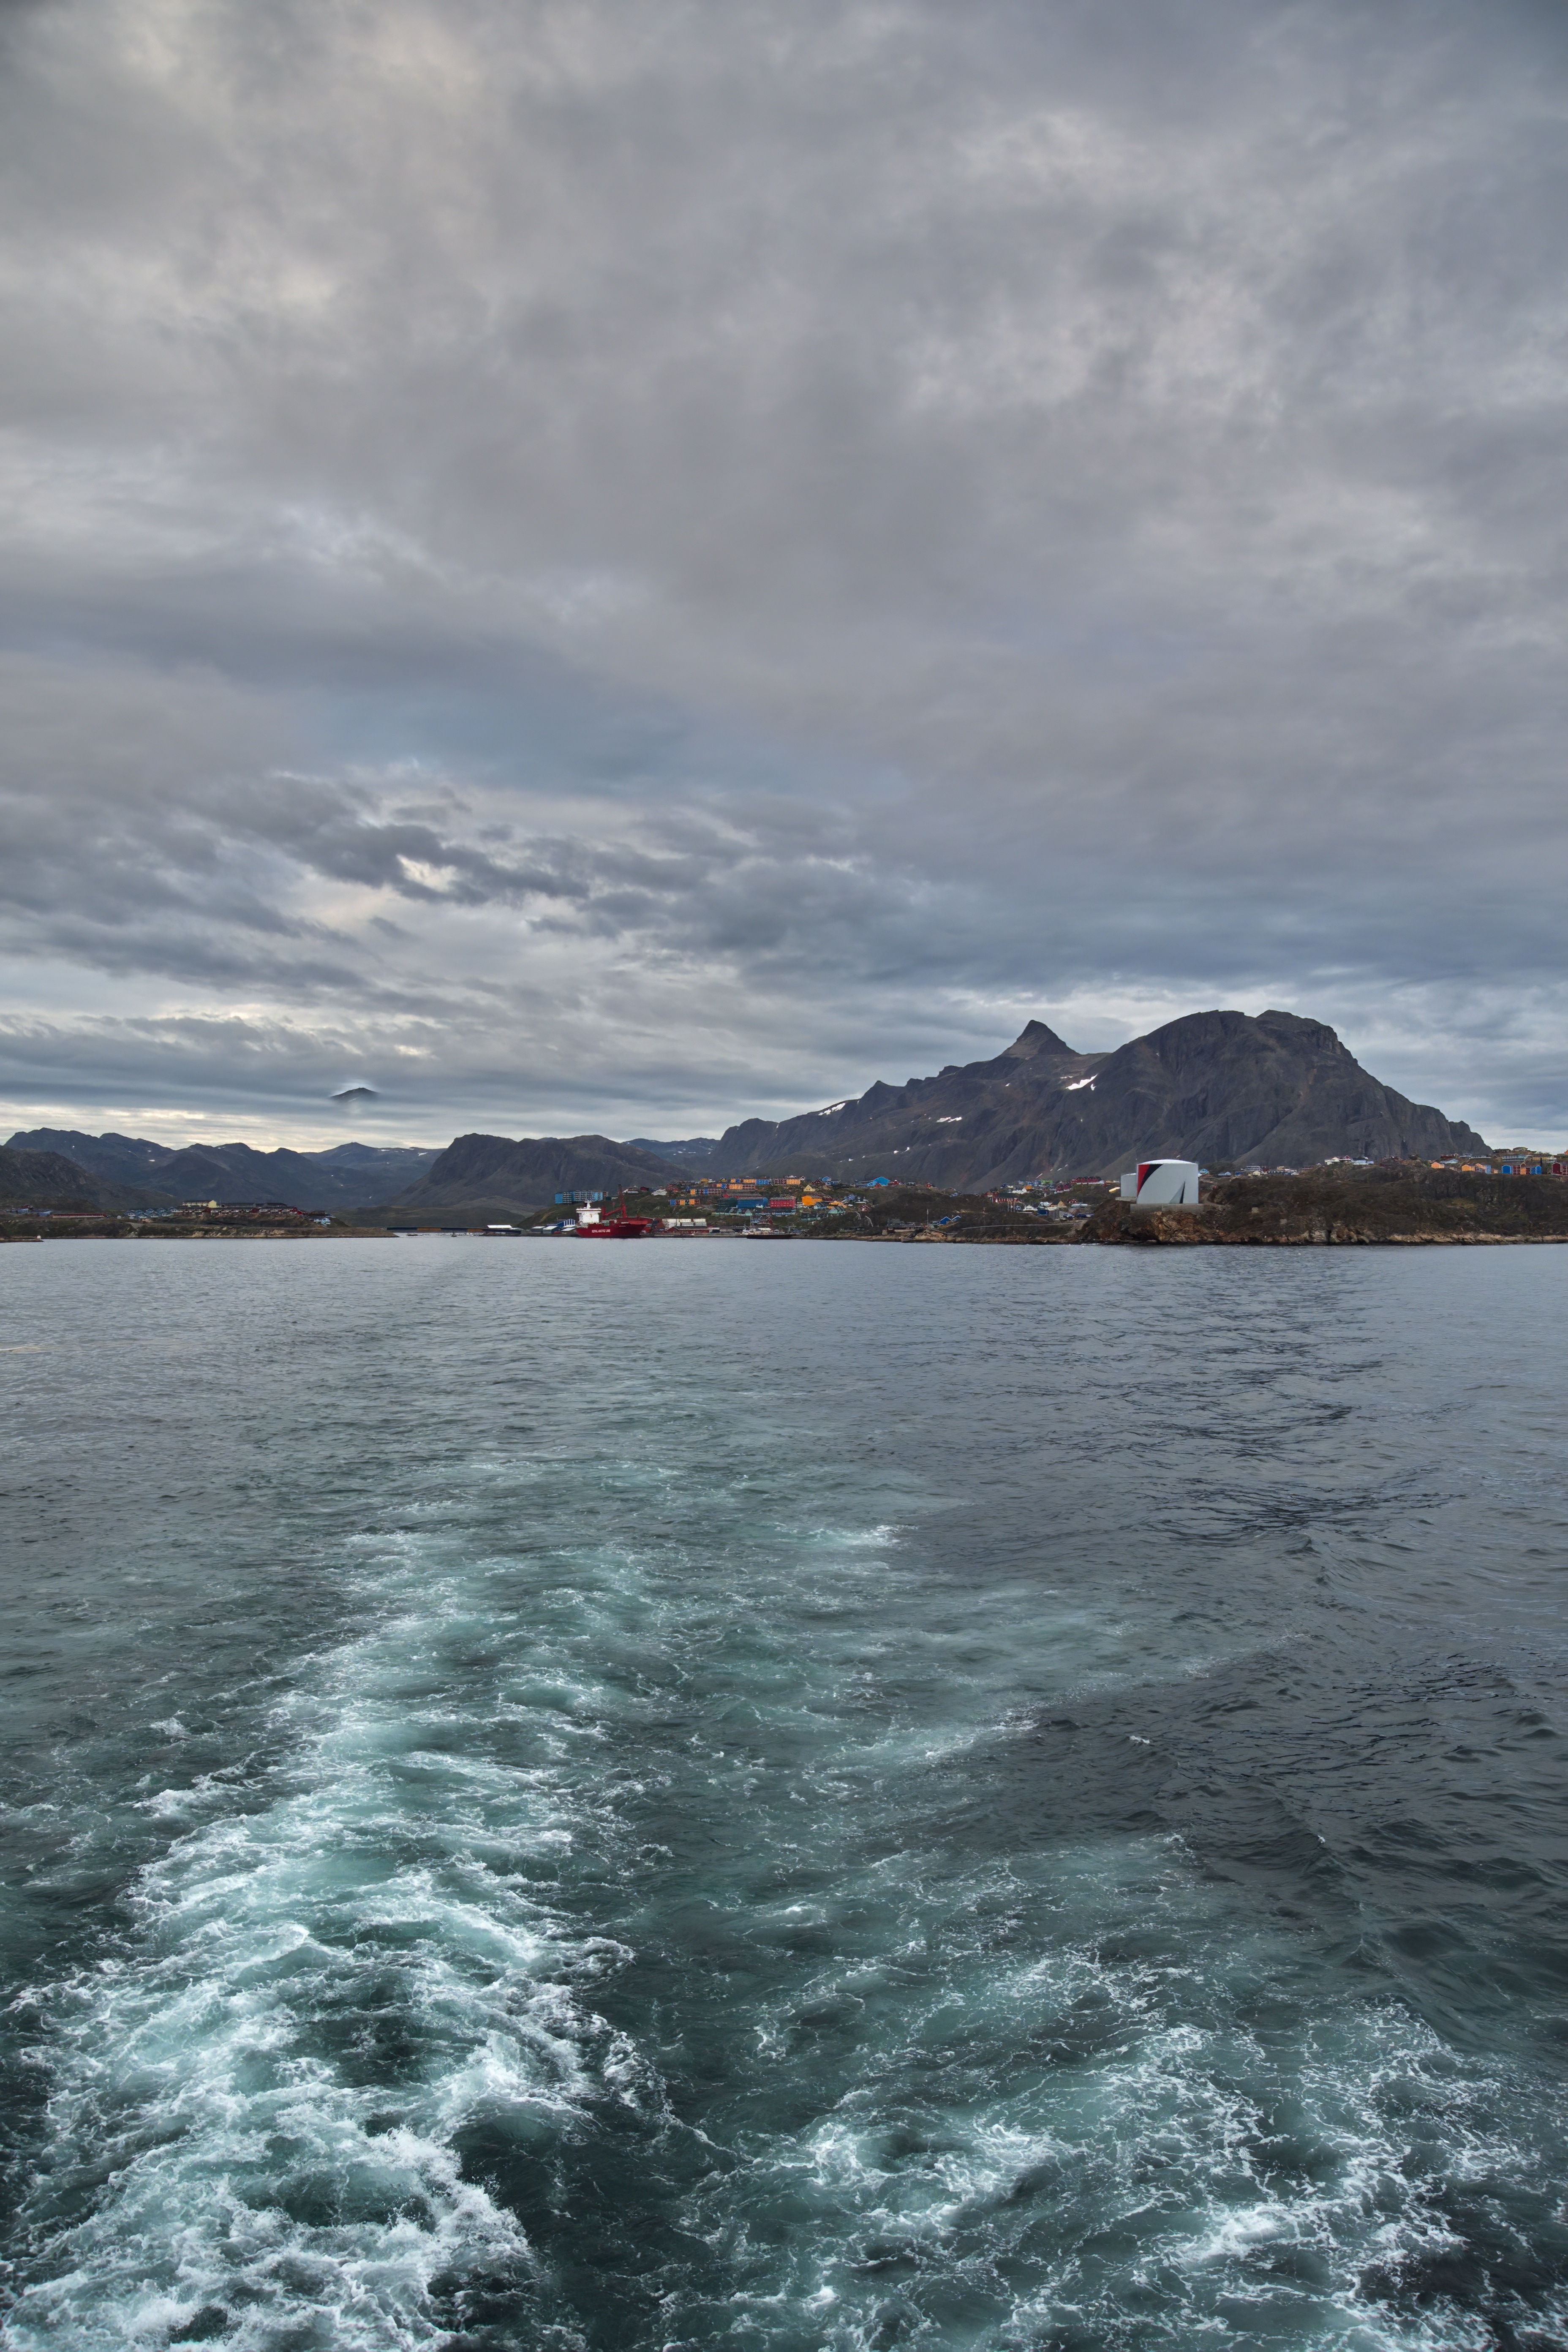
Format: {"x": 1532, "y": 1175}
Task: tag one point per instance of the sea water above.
{"x": 831, "y": 1797}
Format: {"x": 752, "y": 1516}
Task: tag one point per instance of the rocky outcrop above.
{"x": 1218, "y": 1087}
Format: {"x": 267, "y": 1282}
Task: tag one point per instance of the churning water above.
{"x": 823, "y": 1796}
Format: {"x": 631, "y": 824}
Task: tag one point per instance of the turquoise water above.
{"x": 821, "y": 1797}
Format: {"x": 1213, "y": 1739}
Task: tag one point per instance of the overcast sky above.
{"x": 624, "y": 563}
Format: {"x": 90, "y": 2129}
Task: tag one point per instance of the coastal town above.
{"x": 1519, "y": 1195}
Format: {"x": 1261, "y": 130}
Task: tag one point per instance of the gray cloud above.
{"x": 618, "y": 565}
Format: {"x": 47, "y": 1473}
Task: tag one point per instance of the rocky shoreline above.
{"x": 1394, "y": 1206}
{"x": 1196, "y": 1230}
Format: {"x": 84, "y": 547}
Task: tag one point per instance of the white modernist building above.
{"x": 1162, "y": 1184}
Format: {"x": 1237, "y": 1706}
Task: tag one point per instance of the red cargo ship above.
{"x": 593, "y": 1227}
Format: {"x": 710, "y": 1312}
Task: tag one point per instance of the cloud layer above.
{"x": 606, "y": 566}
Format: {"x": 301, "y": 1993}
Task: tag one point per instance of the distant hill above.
{"x": 157, "y": 1174}
{"x": 1217, "y": 1087}
{"x": 489, "y": 1176}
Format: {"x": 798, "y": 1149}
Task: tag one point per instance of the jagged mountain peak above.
{"x": 1034, "y": 1038}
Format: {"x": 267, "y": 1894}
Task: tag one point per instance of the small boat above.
{"x": 593, "y": 1227}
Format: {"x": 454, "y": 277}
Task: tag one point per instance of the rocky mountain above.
{"x": 1217, "y": 1087}
{"x": 489, "y": 1176}
{"x": 157, "y": 1174}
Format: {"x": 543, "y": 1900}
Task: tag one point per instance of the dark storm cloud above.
{"x": 676, "y": 560}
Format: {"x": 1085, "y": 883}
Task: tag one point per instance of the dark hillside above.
{"x": 972, "y": 1125}
{"x": 960, "y": 1217}
{"x": 484, "y": 1177}
{"x": 56, "y": 1182}
{"x": 691, "y": 1151}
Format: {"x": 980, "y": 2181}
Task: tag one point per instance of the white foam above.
{"x": 977, "y": 2091}
{"x": 1212, "y": 2163}
{"x": 215, "y": 2075}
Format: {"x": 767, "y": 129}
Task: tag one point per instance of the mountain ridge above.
{"x": 1218, "y": 1086}
{"x": 143, "y": 1174}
